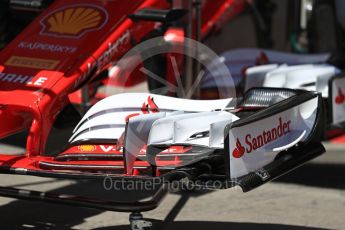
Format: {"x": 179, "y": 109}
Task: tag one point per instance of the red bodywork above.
{"x": 63, "y": 48}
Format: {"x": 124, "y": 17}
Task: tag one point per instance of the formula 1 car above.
{"x": 265, "y": 68}
{"x": 59, "y": 58}
{"x": 139, "y": 136}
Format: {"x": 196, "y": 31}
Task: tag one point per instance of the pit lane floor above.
{"x": 311, "y": 197}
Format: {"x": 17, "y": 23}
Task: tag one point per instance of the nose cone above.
{"x": 13, "y": 121}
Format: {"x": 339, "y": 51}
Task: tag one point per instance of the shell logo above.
{"x": 74, "y": 21}
{"x": 87, "y": 148}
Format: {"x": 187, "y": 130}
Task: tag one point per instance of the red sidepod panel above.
{"x": 56, "y": 53}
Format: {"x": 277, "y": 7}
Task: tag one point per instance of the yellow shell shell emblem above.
{"x": 87, "y": 148}
{"x": 74, "y": 21}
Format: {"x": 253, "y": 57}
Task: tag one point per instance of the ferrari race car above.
{"x": 264, "y": 68}
{"x": 62, "y": 57}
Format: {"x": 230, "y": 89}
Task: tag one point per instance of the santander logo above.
{"x": 239, "y": 151}
{"x": 253, "y": 143}
{"x": 340, "y": 98}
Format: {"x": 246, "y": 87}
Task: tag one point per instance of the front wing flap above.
{"x": 274, "y": 140}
